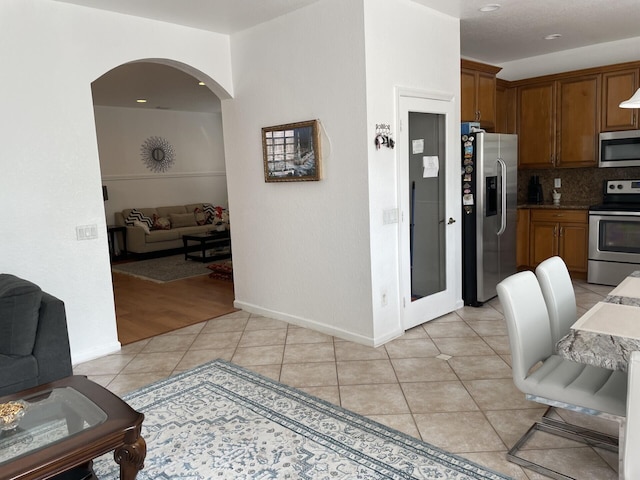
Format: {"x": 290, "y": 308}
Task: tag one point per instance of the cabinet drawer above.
{"x": 564, "y": 216}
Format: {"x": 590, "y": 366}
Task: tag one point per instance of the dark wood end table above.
{"x": 112, "y": 230}
{"x": 67, "y": 424}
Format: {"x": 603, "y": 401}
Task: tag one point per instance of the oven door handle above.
{"x": 503, "y": 196}
{"x": 617, "y": 213}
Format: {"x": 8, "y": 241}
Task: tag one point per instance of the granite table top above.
{"x": 599, "y": 349}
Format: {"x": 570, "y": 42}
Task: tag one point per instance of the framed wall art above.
{"x": 291, "y": 152}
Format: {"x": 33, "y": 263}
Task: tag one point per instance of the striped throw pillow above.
{"x": 137, "y": 215}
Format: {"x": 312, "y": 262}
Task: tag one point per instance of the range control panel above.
{"x": 621, "y": 187}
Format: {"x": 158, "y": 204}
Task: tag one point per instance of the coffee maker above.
{"x": 535, "y": 190}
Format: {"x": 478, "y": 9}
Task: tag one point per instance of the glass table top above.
{"x": 50, "y": 417}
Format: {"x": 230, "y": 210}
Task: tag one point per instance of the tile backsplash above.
{"x": 580, "y": 186}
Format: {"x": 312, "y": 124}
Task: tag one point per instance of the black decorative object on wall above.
{"x": 157, "y": 154}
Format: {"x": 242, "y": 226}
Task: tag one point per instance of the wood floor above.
{"x": 145, "y": 309}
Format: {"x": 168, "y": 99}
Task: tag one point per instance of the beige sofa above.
{"x": 168, "y": 224}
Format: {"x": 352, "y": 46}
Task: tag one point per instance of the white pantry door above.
{"x": 428, "y": 226}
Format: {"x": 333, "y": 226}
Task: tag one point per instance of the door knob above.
{"x": 451, "y": 220}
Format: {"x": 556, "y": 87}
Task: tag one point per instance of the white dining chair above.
{"x": 631, "y": 442}
{"x": 559, "y": 296}
{"x": 554, "y": 381}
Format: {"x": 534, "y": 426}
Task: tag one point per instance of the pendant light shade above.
{"x": 633, "y": 102}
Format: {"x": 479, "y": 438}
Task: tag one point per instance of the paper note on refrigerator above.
{"x": 417, "y": 146}
{"x": 430, "y": 166}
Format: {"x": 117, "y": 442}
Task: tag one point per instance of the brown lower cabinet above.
{"x": 562, "y": 232}
{"x": 522, "y": 238}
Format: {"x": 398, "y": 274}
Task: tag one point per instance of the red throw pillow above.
{"x": 161, "y": 223}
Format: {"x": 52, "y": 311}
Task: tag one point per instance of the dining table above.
{"x": 609, "y": 331}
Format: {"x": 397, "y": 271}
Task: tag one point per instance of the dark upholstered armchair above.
{"x": 34, "y": 341}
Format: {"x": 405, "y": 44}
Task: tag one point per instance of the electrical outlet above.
{"x": 557, "y": 183}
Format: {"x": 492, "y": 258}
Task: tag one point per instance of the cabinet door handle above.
{"x": 550, "y": 158}
{"x": 561, "y": 231}
{"x": 555, "y": 231}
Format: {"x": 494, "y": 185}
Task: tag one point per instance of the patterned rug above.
{"x": 222, "y": 421}
{"x": 163, "y": 269}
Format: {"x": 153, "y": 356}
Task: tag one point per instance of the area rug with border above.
{"x": 164, "y": 269}
{"x": 220, "y": 420}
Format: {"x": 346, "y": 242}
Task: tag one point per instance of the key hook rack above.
{"x": 383, "y": 136}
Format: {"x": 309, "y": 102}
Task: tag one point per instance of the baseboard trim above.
{"x": 94, "y": 353}
{"x": 313, "y": 325}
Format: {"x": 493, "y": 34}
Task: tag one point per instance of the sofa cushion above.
{"x": 182, "y": 220}
{"x": 136, "y": 215}
{"x": 17, "y": 373}
{"x": 167, "y": 211}
{"x": 19, "y": 313}
{"x": 192, "y": 206}
{"x": 196, "y": 229}
{"x": 142, "y": 225}
{"x": 163, "y": 235}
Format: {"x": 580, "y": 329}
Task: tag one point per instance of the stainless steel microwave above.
{"x": 620, "y": 149}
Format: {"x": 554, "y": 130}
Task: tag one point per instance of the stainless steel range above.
{"x": 614, "y": 233}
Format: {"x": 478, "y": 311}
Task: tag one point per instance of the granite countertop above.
{"x": 600, "y": 349}
{"x": 550, "y": 206}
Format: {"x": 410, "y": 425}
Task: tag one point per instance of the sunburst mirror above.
{"x": 157, "y": 154}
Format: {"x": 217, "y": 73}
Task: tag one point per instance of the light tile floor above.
{"x": 447, "y": 382}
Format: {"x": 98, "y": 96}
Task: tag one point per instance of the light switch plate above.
{"x": 557, "y": 183}
{"x": 86, "y": 232}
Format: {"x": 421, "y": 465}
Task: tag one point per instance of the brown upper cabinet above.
{"x": 557, "y": 117}
{"x": 505, "y": 107}
{"x": 578, "y": 121}
{"x": 536, "y": 125}
{"x": 558, "y": 122}
{"x": 478, "y": 93}
{"x": 618, "y": 86}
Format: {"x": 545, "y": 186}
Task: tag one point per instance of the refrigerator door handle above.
{"x": 503, "y": 196}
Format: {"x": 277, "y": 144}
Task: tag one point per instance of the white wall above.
{"x": 50, "y": 182}
{"x": 301, "y": 249}
{"x": 198, "y": 172}
{"x": 415, "y": 48}
{"x": 321, "y": 246}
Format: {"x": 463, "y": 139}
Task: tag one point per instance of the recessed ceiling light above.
{"x": 141, "y": 100}
{"x": 492, "y": 7}
{"x": 553, "y": 36}
{"x": 201, "y": 83}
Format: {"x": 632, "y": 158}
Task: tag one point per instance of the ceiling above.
{"x": 164, "y": 88}
{"x": 513, "y": 32}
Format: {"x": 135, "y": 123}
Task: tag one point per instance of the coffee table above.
{"x": 67, "y": 424}
{"x": 218, "y": 244}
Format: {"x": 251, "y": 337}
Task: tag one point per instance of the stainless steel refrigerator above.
{"x": 489, "y": 195}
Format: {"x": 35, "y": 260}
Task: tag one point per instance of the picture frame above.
{"x": 291, "y": 152}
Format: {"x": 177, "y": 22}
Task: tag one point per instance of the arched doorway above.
{"x": 182, "y": 110}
